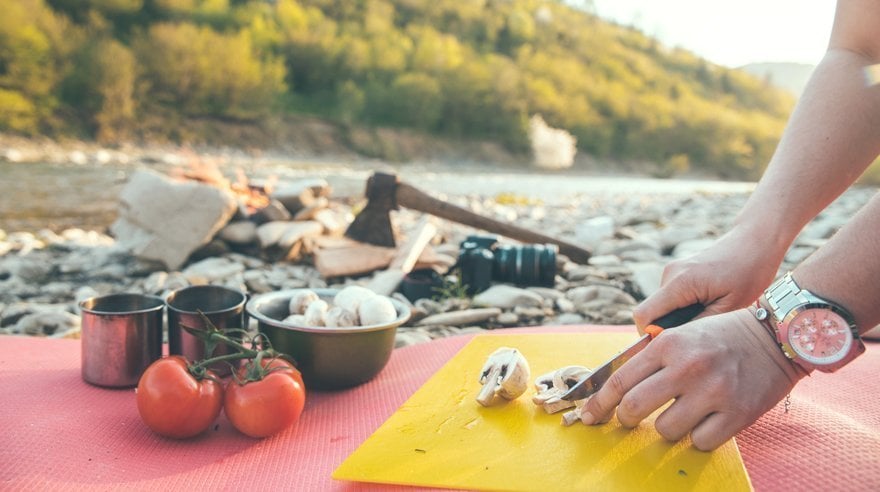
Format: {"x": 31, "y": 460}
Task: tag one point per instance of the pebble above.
{"x": 44, "y": 274}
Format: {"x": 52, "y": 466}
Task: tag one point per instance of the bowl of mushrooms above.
{"x": 338, "y": 338}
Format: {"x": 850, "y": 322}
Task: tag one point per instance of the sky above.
{"x": 732, "y": 32}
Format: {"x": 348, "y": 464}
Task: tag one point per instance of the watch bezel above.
{"x": 831, "y": 366}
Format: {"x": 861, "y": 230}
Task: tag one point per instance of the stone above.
{"x": 506, "y": 297}
{"x": 569, "y": 319}
{"x": 582, "y": 295}
{"x": 463, "y": 317}
{"x": 47, "y": 323}
{"x": 647, "y": 276}
{"x": 286, "y": 234}
{"x": 507, "y": 319}
{"x": 690, "y": 248}
{"x": 212, "y": 270}
{"x": 593, "y": 231}
{"x": 239, "y": 232}
{"x": 274, "y": 211}
{"x": 166, "y": 220}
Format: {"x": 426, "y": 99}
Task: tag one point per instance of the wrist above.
{"x": 768, "y": 343}
{"x": 772, "y": 333}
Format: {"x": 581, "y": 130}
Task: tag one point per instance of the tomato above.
{"x": 173, "y": 403}
{"x": 266, "y": 406}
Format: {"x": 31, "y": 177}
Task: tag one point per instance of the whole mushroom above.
{"x": 351, "y": 297}
{"x": 376, "y": 310}
{"x": 316, "y": 312}
{"x": 338, "y": 317}
{"x": 300, "y": 300}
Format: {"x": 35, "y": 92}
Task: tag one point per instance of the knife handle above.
{"x": 674, "y": 318}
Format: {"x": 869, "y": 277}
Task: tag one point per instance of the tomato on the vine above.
{"x": 173, "y": 403}
{"x": 265, "y": 400}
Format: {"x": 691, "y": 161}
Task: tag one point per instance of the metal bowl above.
{"x": 329, "y": 358}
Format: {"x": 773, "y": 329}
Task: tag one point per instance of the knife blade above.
{"x": 592, "y": 383}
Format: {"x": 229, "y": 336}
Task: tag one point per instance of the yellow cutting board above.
{"x": 441, "y": 437}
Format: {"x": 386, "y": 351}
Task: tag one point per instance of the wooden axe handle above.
{"x": 411, "y": 197}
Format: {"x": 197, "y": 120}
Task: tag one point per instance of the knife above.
{"x": 591, "y": 384}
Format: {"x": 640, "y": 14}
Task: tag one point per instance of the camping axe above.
{"x": 385, "y": 192}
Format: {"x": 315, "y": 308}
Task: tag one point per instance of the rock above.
{"x": 295, "y": 195}
{"x": 410, "y": 336}
{"x": 605, "y": 260}
{"x": 212, "y": 270}
{"x": 239, "y": 232}
{"x": 508, "y": 319}
{"x": 582, "y": 295}
{"x": 506, "y": 297}
{"x": 593, "y": 231}
{"x": 569, "y": 319}
{"x": 286, "y": 234}
{"x": 646, "y": 276}
{"x": 187, "y": 216}
{"x": 466, "y": 316}
{"x": 47, "y": 323}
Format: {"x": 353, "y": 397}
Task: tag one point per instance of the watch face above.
{"x": 820, "y": 336}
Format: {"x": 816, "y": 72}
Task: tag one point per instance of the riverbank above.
{"x": 633, "y": 226}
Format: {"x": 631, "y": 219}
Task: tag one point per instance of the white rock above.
{"x": 211, "y": 270}
{"x": 464, "y": 317}
{"x": 506, "y": 297}
{"x": 239, "y": 232}
{"x": 166, "y": 220}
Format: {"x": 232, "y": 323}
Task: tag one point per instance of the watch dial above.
{"x": 820, "y": 336}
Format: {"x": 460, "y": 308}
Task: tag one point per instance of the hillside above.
{"x": 146, "y": 70}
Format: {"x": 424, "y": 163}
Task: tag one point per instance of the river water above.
{"x": 57, "y": 196}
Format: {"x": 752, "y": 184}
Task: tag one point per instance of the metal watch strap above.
{"x": 785, "y": 295}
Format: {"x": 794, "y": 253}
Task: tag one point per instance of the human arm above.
{"x": 832, "y": 136}
{"x": 723, "y": 372}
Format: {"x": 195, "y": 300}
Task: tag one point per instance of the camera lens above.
{"x": 525, "y": 265}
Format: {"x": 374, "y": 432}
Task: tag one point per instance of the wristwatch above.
{"x": 813, "y": 332}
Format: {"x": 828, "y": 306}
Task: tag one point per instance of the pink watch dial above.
{"x": 819, "y": 336}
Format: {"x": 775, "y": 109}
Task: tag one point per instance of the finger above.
{"x": 645, "y": 398}
{"x": 683, "y": 416}
{"x": 715, "y": 430}
{"x": 661, "y": 303}
{"x": 600, "y": 406}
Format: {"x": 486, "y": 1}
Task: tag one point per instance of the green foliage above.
{"x": 469, "y": 69}
{"x": 205, "y": 73}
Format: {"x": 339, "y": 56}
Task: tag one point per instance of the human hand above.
{"x": 729, "y": 275}
{"x": 722, "y": 373}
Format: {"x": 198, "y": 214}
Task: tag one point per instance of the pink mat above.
{"x": 57, "y": 432}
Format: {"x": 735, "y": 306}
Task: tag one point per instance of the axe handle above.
{"x": 411, "y": 197}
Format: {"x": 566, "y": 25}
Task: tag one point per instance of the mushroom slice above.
{"x": 574, "y": 415}
{"x": 505, "y": 373}
{"x": 551, "y": 386}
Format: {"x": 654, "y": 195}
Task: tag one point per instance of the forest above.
{"x": 120, "y": 70}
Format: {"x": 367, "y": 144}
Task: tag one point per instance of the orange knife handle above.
{"x": 653, "y": 330}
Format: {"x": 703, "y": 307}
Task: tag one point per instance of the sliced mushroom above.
{"x": 376, "y": 310}
{"x": 551, "y": 386}
{"x": 316, "y": 312}
{"x": 505, "y": 373}
{"x": 574, "y": 415}
{"x": 300, "y": 300}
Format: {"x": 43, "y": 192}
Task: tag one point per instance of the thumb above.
{"x": 669, "y": 298}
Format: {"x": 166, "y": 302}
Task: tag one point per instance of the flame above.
{"x": 204, "y": 170}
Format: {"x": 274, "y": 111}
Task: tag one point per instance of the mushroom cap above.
{"x": 338, "y": 317}
{"x": 295, "y": 319}
{"x": 300, "y": 300}
{"x": 316, "y": 312}
{"x": 350, "y": 297}
{"x": 505, "y": 373}
{"x": 376, "y": 310}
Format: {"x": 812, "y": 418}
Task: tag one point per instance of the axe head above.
{"x": 373, "y": 224}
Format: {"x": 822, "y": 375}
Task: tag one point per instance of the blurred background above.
{"x": 674, "y": 89}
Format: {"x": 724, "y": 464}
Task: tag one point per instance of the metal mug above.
{"x": 121, "y": 337}
{"x": 223, "y": 306}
